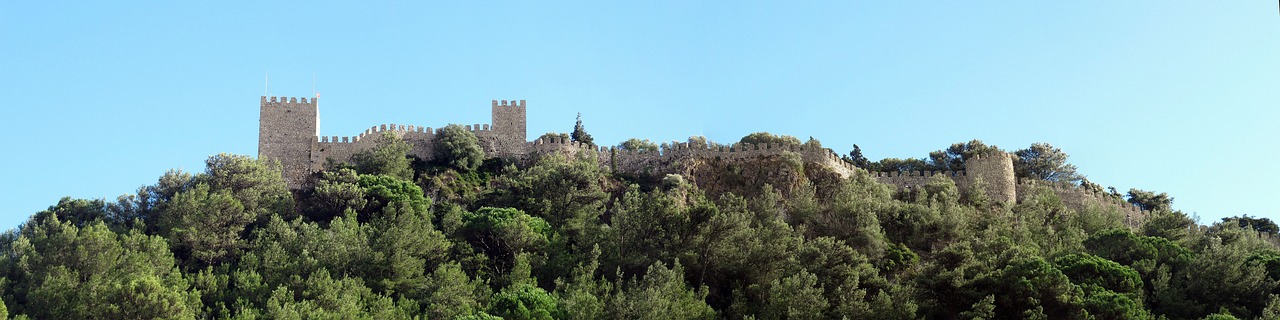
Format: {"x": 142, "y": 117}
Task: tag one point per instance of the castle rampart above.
{"x": 1075, "y": 196}
{"x": 289, "y": 133}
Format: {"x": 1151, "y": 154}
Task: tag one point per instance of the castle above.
{"x": 288, "y": 132}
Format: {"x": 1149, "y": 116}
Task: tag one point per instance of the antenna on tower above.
{"x": 266, "y": 86}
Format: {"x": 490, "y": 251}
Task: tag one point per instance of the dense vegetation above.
{"x": 391, "y": 237}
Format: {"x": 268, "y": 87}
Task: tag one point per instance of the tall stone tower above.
{"x": 509, "y": 126}
{"x": 996, "y": 171}
{"x": 286, "y": 130}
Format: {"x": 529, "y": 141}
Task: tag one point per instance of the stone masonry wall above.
{"x": 286, "y": 128}
{"x": 994, "y": 170}
{"x": 1076, "y": 197}
{"x": 288, "y": 133}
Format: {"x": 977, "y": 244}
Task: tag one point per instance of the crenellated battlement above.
{"x": 288, "y": 101}
{"x": 994, "y": 171}
{"x": 503, "y": 103}
{"x": 922, "y": 173}
{"x": 1076, "y": 196}
{"x": 288, "y": 132}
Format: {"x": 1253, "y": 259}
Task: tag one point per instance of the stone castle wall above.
{"x": 669, "y": 156}
{"x": 1075, "y": 196}
{"x": 288, "y": 132}
{"x": 994, "y": 170}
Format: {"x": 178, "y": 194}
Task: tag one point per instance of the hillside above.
{"x": 465, "y": 235}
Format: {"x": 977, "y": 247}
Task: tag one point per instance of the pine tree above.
{"x": 580, "y": 134}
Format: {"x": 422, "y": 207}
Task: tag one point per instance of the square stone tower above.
{"x": 286, "y": 129}
{"x": 509, "y": 126}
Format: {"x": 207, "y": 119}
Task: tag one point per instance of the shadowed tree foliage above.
{"x": 856, "y": 158}
{"x": 899, "y": 165}
{"x": 761, "y": 138}
{"x": 458, "y": 148}
{"x": 69, "y": 272}
{"x": 1263, "y": 225}
{"x": 1149, "y": 200}
{"x": 390, "y": 157}
{"x": 580, "y": 133}
{"x": 549, "y": 136}
{"x": 563, "y": 237}
{"x": 953, "y": 157}
{"x": 1042, "y": 161}
{"x": 634, "y": 144}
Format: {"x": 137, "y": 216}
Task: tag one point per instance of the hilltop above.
{"x": 479, "y": 223}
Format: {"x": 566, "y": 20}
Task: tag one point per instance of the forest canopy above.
{"x": 389, "y": 236}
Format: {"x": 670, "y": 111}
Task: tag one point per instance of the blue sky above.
{"x": 97, "y": 99}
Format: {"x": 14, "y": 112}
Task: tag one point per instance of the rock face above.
{"x": 289, "y": 133}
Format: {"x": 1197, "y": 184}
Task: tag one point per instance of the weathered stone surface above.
{"x": 288, "y": 132}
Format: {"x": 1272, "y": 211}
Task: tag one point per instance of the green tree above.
{"x": 953, "y": 157}
{"x": 453, "y": 293}
{"x": 405, "y": 244}
{"x": 661, "y": 294}
{"x": 504, "y": 233}
{"x": 1263, "y": 225}
{"x": 1149, "y": 200}
{"x": 148, "y": 205}
{"x": 762, "y": 138}
{"x": 1111, "y": 289}
{"x": 335, "y": 193}
{"x": 1172, "y": 225}
{"x": 567, "y": 192}
{"x": 1043, "y": 161}
{"x": 322, "y": 297}
{"x": 856, "y": 158}
{"x": 1032, "y": 285}
{"x": 524, "y": 301}
{"x": 638, "y": 145}
{"x": 80, "y": 212}
{"x": 583, "y": 295}
{"x": 580, "y": 133}
{"x": 389, "y": 157}
{"x": 555, "y": 136}
{"x": 798, "y": 296}
{"x": 1219, "y": 277}
{"x": 458, "y": 148}
{"x": 257, "y": 184}
{"x": 204, "y": 227}
{"x": 66, "y": 272}
{"x": 637, "y": 218}
{"x": 899, "y": 165}
{"x": 700, "y": 142}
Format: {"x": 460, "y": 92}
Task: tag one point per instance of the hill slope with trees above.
{"x": 469, "y": 237}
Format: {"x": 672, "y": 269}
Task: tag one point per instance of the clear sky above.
{"x": 100, "y": 98}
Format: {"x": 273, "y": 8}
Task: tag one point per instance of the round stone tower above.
{"x": 996, "y": 171}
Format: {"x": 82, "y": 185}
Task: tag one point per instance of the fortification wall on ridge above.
{"x": 912, "y": 179}
{"x": 1079, "y": 198}
{"x": 288, "y": 132}
{"x": 995, "y": 171}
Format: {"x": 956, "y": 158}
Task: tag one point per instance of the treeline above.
{"x": 465, "y": 237}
